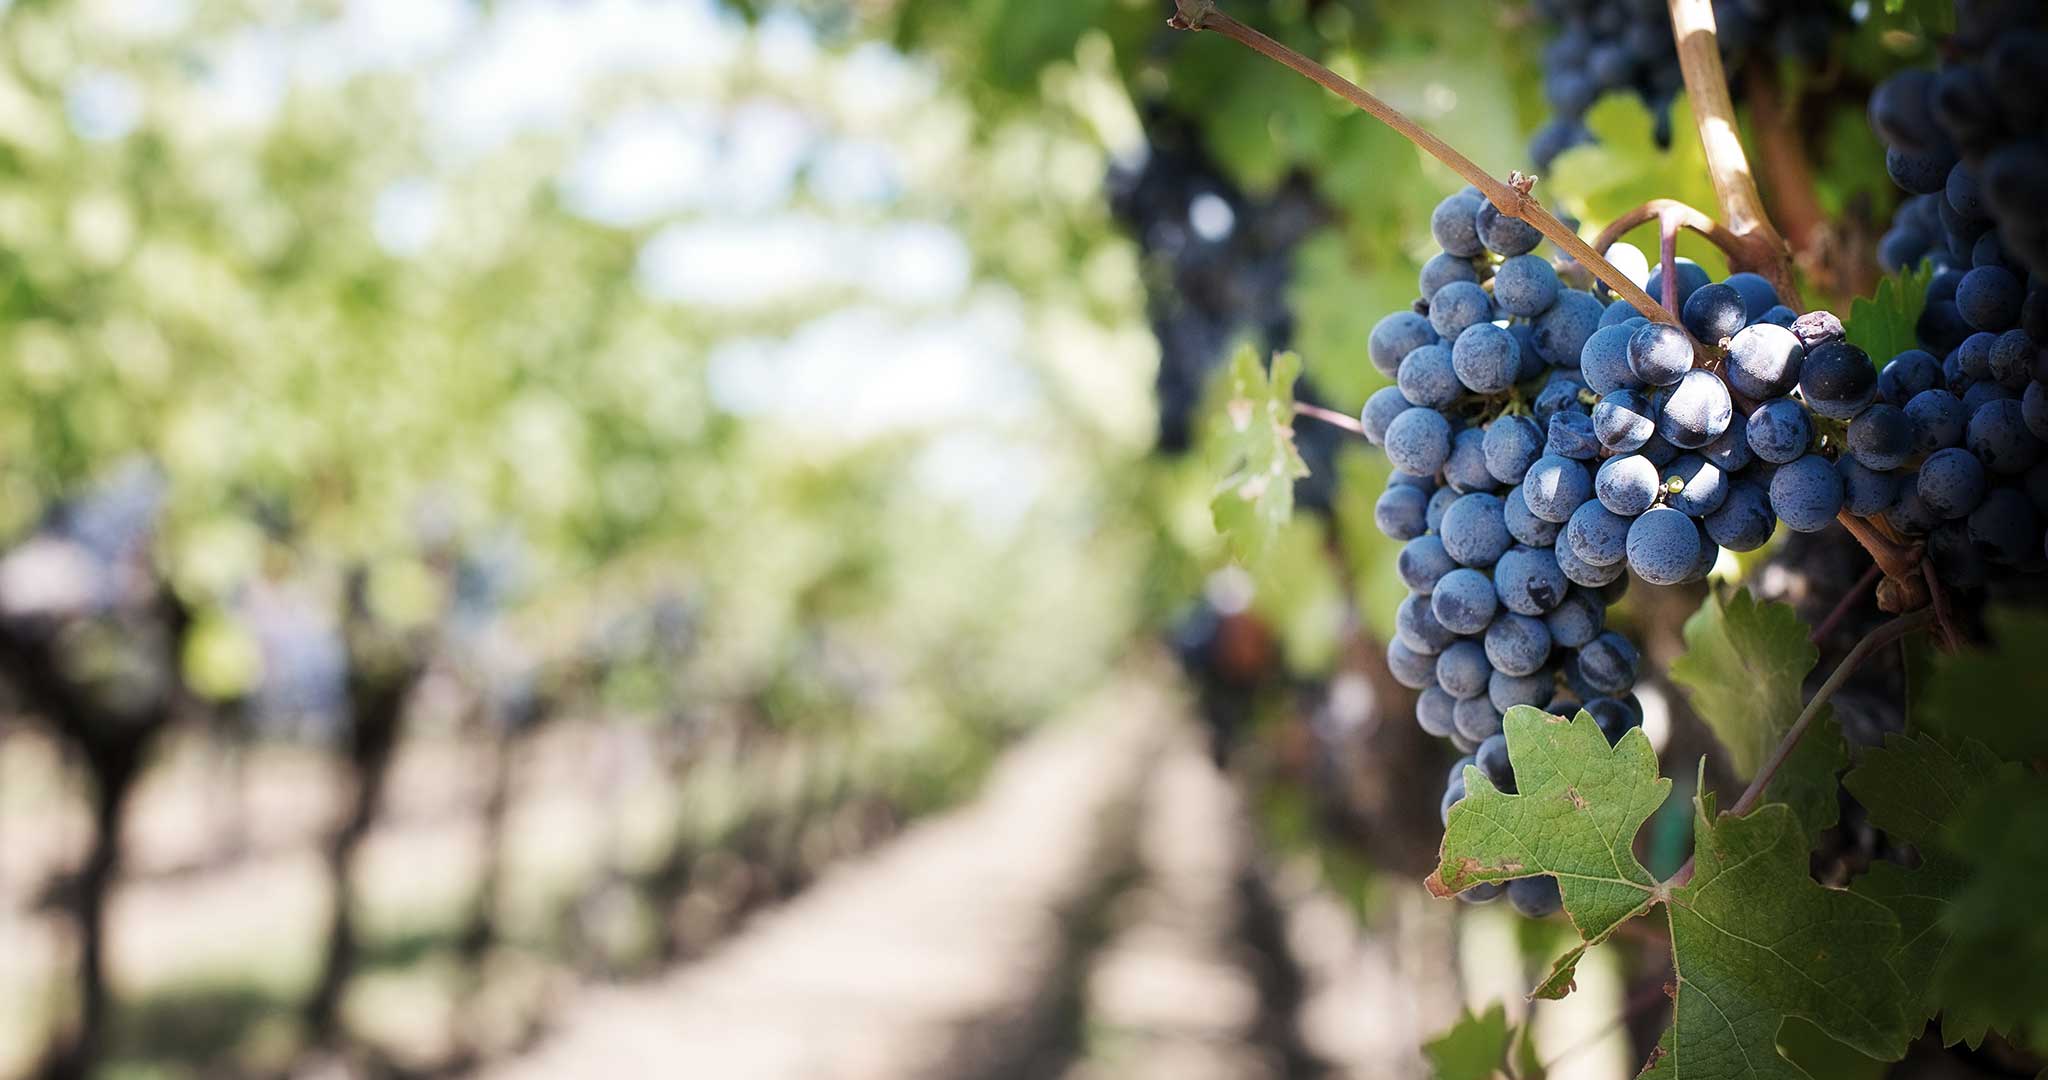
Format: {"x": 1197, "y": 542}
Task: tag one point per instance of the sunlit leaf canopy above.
{"x": 631, "y": 294}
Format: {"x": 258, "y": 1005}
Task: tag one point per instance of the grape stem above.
{"x": 1845, "y": 605}
{"x": 1661, "y": 209}
{"x": 1330, "y": 416}
{"x": 1879, "y": 637}
{"x": 1511, "y": 198}
{"x": 1713, "y": 114}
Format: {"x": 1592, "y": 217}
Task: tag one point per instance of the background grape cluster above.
{"x": 1950, "y": 436}
{"x": 1606, "y": 46}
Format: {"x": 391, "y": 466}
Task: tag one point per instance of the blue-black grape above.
{"x": 1555, "y": 486}
{"x": 1692, "y": 485}
{"x": 1597, "y": 535}
{"x": 1780, "y": 430}
{"x": 1938, "y": 420}
{"x": 1422, "y": 562}
{"x": 1627, "y": 486}
{"x": 1881, "y": 437}
{"x": 1505, "y": 691}
{"x": 1999, "y": 436}
{"x": 1745, "y": 520}
{"x": 1806, "y": 494}
{"x": 1462, "y": 669}
{"x": 1608, "y": 663}
{"x": 1714, "y": 313}
{"x": 1525, "y": 285}
{"x": 1426, "y": 378}
{"x": 1458, "y": 306}
{"x": 1433, "y": 711}
{"x": 1380, "y": 409}
{"x": 1517, "y": 644}
{"x": 1397, "y": 335}
{"x": 1659, "y": 354}
{"x": 1464, "y": 601}
{"x": 1697, "y": 410}
{"x": 1474, "y": 531}
{"x": 1486, "y": 357}
{"x": 1624, "y": 420}
{"x": 1866, "y": 492}
{"x": 1910, "y": 373}
{"x": 1399, "y": 512}
{"x": 1572, "y": 435}
{"x": 1491, "y": 759}
{"x": 1528, "y": 580}
{"x": 1512, "y": 444}
{"x": 1764, "y": 361}
{"x": 1411, "y": 669}
{"x": 1663, "y": 545}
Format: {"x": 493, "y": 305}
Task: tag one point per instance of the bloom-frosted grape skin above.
{"x": 1597, "y": 535}
{"x": 1806, "y": 494}
{"x": 1951, "y": 483}
{"x": 1554, "y": 488}
{"x": 1609, "y": 663}
{"x": 1659, "y": 354}
{"x": 1624, "y": 420}
{"x": 1517, "y": 644}
{"x": 1837, "y": 380}
{"x": 1764, "y": 361}
{"x": 1474, "y": 531}
{"x": 1525, "y": 285}
{"x": 1462, "y": 669}
{"x": 1422, "y": 562}
{"x": 1881, "y": 437}
{"x": 1411, "y": 669}
{"x": 1745, "y": 520}
{"x": 1528, "y": 580}
{"x": 1603, "y": 363}
{"x": 1418, "y": 441}
{"x": 1998, "y": 435}
{"x": 1576, "y": 620}
{"x": 1938, "y": 419}
{"x": 1697, "y": 410}
{"x": 1694, "y": 486}
{"x": 1397, "y": 335}
{"x": 1426, "y": 378}
{"x": 1866, "y": 492}
{"x": 1780, "y": 431}
{"x": 1524, "y": 526}
{"x": 1458, "y": 306}
{"x": 1714, "y": 312}
{"x": 1486, "y": 358}
{"x": 1464, "y": 601}
{"x": 1512, "y": 443}
{"x": 1663, "y": 545}
{"x": 1400, "y": 511}
{"x": 1380, "y": 409}
{"x": 1505, "y": 691}
{"x": 1562, "y": 331}
{"x": 1627, "y": 485}
{"x": 1416, "y": 627}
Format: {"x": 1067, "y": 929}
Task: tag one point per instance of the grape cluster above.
{"x": 1216, "y": 264}
{"x": 1970, "y": 142}
{"x": 1490, "y": 433}
{"x": 1605, "y": 46}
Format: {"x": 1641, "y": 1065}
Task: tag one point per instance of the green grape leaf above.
{"x": 1977, "y": 693}
{"x": 1256, "y": 498}
{"x": 1756, "y": 940}
{"x": 1994, "y": 972}
{"x": 1624, "y": 168}
{"x": 1743, "y": 669}
{"x": 1823, "y": 1058}
{"x": 1810, "y": 777}
{"x": 1912, "y": 787}
{"x": 1882, "y": 323}
{"x": 1580, "y": 805}
{"x": 1475, "y": 1048}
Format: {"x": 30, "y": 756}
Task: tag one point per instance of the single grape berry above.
{"x": 1486, "y": 358}
{"x": 1554, "y": 488}
{"x": 1764, "y": 361}
{"x": 1697, "y": 411}
{"x": 1457, "y": 306}
{"x": 1528, "y": 579}
{"x": 1627, "y": 486}
{"x": 1380, "y": 409}
{"x": 1881, "y": 437}
{"x": 1745, "y": 520}
{"x": 1512, "y": 444}
{"x": 1418, "y": 441}
{"x": 1624, "y": 420}
{"x": 1714, "y": 313}
{"x": 1837, "y": 380}
{"x": 1464, "y": 601}
{"x": 1397, "y": 335}
{"x": 1659, "y": 354}
{"x": 1806, "y": 494}
{"x": 1604, "y": 362}
{"x": 1663, "y": 545}
{"x": 1525, "y": 285}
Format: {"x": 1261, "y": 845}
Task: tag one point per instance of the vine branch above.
{"x": 1884, "y": 634}
{"x": 1713, "y": 112}
{"x": 1512, "y": 199}
{"x": 1686, "y": 217}
{"x": 1331, "y": 417}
